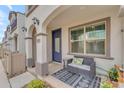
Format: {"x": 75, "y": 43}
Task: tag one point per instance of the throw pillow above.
{"x": 78, "y": 61}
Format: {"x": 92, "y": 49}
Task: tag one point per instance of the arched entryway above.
{"x": 31, "y": 46}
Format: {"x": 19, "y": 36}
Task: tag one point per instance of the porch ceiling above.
{"x": 78, "y": 12}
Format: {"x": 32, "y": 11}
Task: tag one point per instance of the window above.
{"x": 95, "y": 39}
{"x": 90, "y": 39}
{"x": 77, "y": 40}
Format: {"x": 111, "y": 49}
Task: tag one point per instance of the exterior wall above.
{"x": 115, "y": 41}
{"x": 13, "y": 41}
{"x": 46, "y": 10}
{"x": 20, "y": 34}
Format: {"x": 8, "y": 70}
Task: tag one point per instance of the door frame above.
{"x": 54, "y": 45}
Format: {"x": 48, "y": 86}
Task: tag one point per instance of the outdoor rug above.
{"x": 76, "y": 80}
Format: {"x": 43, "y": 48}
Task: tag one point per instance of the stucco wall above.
{"x": 115, "y": 41}
{"x": 20, "y": 33}
{"x": 21, "y": 37}
{"x": 41, "y": 13}
{"x": 12, "y": 40}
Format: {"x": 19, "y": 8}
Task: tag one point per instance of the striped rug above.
{"x": 76, "y": 80}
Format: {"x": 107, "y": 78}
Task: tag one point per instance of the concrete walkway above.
{"x": 21, "y": 80}
{"x": 15, "y": 82}
{"x": 4, "y": 83}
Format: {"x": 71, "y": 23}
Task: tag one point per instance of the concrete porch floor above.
{"x": 52, "y": 81}
{"x": 53, "y": 67}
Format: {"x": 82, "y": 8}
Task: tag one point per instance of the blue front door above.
{"x": 56, "y": 45}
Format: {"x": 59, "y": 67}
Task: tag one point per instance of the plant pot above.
{"x": 115, "y": 84}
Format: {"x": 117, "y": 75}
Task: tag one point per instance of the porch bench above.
{"x": 87, "y": 69}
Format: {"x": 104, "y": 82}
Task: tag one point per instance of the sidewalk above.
{"x": 15, "y": 82}
{"x": 4, "y": 83}
{"x": 21, "y": 80}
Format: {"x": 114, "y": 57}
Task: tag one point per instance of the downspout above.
{"x": 121, "y": 15}
{"x": 122, "y": 57}
{"x": 122, "y": 31}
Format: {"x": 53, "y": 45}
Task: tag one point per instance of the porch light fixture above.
{"x": 24, "y": 29}
{"x": 36, "y": 21}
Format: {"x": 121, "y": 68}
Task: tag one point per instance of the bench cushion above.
{"x": 85, "y": 67}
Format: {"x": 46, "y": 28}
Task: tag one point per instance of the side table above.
{"x": 65, "y": 61}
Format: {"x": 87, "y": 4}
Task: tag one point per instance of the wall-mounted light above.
{"x": 24, "y": 29}
{"x": 35, "y": 21}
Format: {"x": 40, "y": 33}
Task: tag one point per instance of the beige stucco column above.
{"x": 29, "y": 60}
{"x": 41, "y": 64}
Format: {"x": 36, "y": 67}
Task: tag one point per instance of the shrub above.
{"x": 113, "y": 74}
{"x": 36, "y": 84}
{"x": 106, "y": 84}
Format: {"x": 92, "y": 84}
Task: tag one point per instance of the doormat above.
{"x": 76, "y": 80}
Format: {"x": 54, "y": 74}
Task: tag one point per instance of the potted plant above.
{"x": 106, "y": 84}
{"x": 113, "y": 75}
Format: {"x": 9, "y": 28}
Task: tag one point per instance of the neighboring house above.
{"x": 13, "y": 47}
{"x": 55, "y": 32}
{"x": 5, "y": 41}
{"x": 17, "y": 35}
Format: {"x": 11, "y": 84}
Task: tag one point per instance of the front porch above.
{"x": 53, "y": 67}
{"x": 56, "y": 83}
{"x": 78, "y": 30}
{"x": 53, "y": 81}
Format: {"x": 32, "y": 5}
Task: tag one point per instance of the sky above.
{"x": 4, "y": 12}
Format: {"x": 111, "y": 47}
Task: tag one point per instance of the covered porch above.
{"x": 68, "y": 35}
{"x": 67, "y": 39}
{"x": 68, "y": 32}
